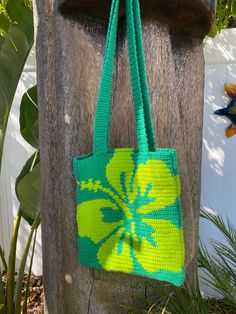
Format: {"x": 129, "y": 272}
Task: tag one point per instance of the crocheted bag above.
{"x": 128, "y": 208}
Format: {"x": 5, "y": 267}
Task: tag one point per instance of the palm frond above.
{"x": 219, "y": 266}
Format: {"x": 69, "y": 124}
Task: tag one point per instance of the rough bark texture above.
{"x": 69, "y": 59}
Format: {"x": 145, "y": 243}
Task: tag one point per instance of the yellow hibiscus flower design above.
{"x": 124, "y": 223}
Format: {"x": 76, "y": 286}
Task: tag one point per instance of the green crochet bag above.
{"x": 128, "y": 207}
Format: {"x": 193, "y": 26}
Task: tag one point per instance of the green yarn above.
{"x": 128, "y": 201}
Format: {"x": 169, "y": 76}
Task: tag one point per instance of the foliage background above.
{"x": 225, "y": 16}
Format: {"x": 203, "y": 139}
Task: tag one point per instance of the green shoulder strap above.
{"x": 143, "y": 76}
{"x": 144, "y": 129}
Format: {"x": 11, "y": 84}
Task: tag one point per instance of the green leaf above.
{"x": 28, "y": 193}
{"x": 29, "y": 165}
{"x": 13, "y": 54}
{"x": 2, "y": 38}
{"x": 32, "y": 162}
{"x": 234, "y": 8}
{"x": 213, "y": 31}
{"x": 20, "y": 11}
{"x": 3, "y": 259}
{"x": 11, "y": 266}
{"x": 29, "y": 117}
{"x": 5, "y": 21}
{"x": 229, "y": 7}
{"x": 3, "y": 2}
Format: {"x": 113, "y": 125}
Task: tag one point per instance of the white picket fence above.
{"x": 219, "y": 153}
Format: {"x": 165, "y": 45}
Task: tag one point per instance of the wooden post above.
{"x": 70, "y": 43}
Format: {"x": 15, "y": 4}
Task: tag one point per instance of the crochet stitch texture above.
{"x": 128, "y": 201}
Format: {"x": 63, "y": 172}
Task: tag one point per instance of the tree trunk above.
{"x": 70, "y": 43}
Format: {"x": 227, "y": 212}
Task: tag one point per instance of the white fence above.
{"x": 16, "y": 152}
{"x": 219, "y": 153}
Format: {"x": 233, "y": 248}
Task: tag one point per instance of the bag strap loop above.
{"x": 144, "y": 129}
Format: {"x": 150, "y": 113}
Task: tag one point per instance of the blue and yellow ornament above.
{"x": 229, "y": 111}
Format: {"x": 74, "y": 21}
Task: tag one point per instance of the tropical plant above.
{"x": 219, "y": 266}
{"x": 27, "y": 190}
{"x": 225, "y": 16}
{"x": 16, "y": 40}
